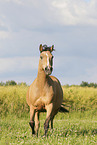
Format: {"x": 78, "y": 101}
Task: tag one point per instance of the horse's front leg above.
{"x": 49, "y": 109}
{"x": 32, "y": 123}
{"x": 37, "y": 123}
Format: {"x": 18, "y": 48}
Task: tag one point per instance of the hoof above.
{"x": 44, "y": 136}
{"x": 33, "y": 133}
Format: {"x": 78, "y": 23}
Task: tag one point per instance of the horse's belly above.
{"x": 39, "y": 105}
{"x": 40, "y": 108}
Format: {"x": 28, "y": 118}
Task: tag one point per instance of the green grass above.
{"x": 76, "y": 128}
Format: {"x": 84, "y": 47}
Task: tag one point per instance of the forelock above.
{"x": 46, "y": 48}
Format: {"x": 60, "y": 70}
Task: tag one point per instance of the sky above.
{"x": 69, "y": 25}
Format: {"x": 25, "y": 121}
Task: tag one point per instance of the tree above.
{"x": 2, "y": 84}
{"x": 84, "y": 84}
{"x": 10, "y": 83}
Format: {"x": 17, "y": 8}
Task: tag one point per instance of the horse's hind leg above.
{"x": 48, "y": 117}
{"x": 52, "y": 118}
{"x": 36, "y": 123}
{"x": 52, "y": 123}
{"x": 32, "y": 123}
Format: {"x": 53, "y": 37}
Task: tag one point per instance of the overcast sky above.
{"x": 69, "y": 25}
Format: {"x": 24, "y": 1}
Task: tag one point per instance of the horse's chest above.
{"x": 44, "y": 97}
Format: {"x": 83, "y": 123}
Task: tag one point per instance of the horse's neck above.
{"x": 41, "y": 79}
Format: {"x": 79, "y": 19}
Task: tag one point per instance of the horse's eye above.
{"x": 41, "y": 57}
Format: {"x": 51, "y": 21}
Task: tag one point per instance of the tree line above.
{"x": 84, "y": 84}
{"x": 13, "y": 83}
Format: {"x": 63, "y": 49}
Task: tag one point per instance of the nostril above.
{"x": 51, "y": 68}
{"x": 46, "y": 68}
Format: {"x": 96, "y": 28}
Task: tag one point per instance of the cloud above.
{"x": 19, "y": 2}
{"x": 18, "y": 64}
{"x": 69, "y": 70}
{"x": 20, "y": 69}
{"x": 92, "y": 74}
{"x": 38, "y": 15}
{"x": 2, "y": 24}
{"x": 4, "y": 35}
{"x": 4, "y": 28}
{"x": 76, "y": 12}
{"x": 75, "y": 69}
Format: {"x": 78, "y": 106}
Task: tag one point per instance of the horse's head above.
{"x": 46, "y": 59}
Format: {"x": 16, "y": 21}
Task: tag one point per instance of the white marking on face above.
{"x": 47, "y": 59}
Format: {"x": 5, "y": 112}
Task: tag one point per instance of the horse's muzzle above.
{"x": 48, "y": 70}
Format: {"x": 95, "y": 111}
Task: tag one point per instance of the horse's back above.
{"x": 56, "y": 82}
{"x": 55, "y": 79}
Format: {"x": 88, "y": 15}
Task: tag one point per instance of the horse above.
{"x": 45, "y": 93}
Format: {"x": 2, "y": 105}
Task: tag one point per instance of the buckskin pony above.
{"x": 45, "y": 93}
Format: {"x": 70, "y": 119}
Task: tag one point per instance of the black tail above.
{"x": 62, "y": 109}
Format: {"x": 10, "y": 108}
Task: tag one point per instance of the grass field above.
{"x": 75, "y": 128}
{"x": 78, "y": 127}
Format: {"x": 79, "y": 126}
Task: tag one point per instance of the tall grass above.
{"x": 78, "y": 98}
{"x": 13, "y": 99}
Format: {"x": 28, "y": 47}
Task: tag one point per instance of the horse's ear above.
{"x": 40, "y": 48}
{"x": 52, "y": 48}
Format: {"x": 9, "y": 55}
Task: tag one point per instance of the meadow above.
{"x": 78, "y": 127}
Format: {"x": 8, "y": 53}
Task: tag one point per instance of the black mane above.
{"x": 46, "y": 48}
